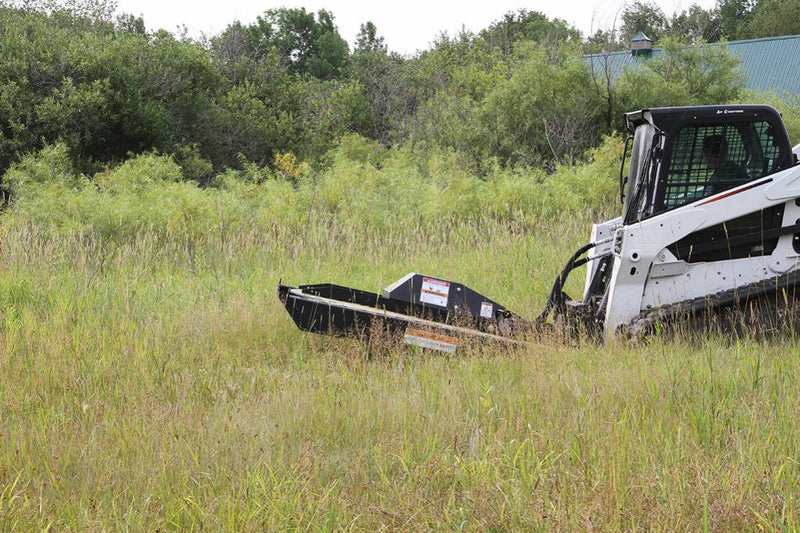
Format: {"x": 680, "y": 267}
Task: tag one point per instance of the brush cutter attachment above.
{"x": 429, "y": 312}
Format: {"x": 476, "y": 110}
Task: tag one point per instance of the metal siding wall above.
{"x": 769, "y": 64}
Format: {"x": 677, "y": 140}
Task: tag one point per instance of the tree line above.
{"x": 518, "y": 92}
{"x": 728, "y": 19}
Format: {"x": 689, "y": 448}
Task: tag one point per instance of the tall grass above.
{"x": 149, "y": 378}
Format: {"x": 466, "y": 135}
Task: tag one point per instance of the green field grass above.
{"x": 157, "y": 384}
{"x": 150, "y": 379}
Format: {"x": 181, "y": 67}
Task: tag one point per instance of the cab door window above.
{"x": 710, "y": 158}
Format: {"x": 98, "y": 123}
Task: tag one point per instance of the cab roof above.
{"x": 665, "y": 118}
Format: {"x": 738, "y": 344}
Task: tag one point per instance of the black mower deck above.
{"x": 427, "y": 312}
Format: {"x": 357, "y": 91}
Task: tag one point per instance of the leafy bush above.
{"x": 788, "y": 105}
{"x": 366, "y": 188}
{"x": 137, "y": 174}
{"x": 547, "y": 111}
{"x": 51, "y": 165}
{"x": 791, "y": 116}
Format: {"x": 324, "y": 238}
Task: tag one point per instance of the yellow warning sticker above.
{"x": 432, "y": 341}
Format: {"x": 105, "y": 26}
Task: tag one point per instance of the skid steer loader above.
{"x": 710, "y": 222}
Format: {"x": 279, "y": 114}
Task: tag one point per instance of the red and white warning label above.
{"x": 486, "y": 309}
{"x": 434, "y": 292}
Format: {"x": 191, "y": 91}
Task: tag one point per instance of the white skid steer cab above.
{"x": 710, "y": 224}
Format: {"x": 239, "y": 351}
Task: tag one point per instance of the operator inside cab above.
{"x": 682, "y": 155}
{"x": 726, "y": 173}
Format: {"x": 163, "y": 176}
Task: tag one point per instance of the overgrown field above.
{"x": 150, "y": 380}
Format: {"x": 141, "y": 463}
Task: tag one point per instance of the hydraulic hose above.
{"x": 556, "y": 297}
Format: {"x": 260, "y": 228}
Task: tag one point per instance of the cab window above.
{"x": 711, "y": 158}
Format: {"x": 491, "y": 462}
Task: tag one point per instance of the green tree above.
{"x": 91, "y": 10}
{"x": 106, "y": 90}
{"x": 389, "y": 90}
{"x": 546, "y": 111}
{"x": 682, "y": 75}
{"x": 62, "y": 91}
{"x": 697, "y": 24}
{"x": 103, "y": 94}
{"x": 331, "y": 57}
{"x": 771, "y": 18}
{"x": 306, "y": 43}
{"x": 524, "y": 25}
{"x": 604, "y": 41}
{"x": 368, "y": 39}
{"x": 127, "y": 23}
{"x": 644, "y": 17}
{"x": 382, "y": 76}
{"x": 734, "y": 16}
{"x": 450, "y": 81}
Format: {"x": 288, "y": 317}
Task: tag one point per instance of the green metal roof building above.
{"x": 769, "y": 64}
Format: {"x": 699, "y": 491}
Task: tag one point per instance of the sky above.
{"x": 407, "y": 26}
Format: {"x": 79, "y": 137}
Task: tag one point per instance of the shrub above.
{"x": 136, "y": 174}
{"x": 409, "y": 190}
{"x": 50, "y": 165}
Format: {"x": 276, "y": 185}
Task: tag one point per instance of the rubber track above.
{"x": 644, "y": 323}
